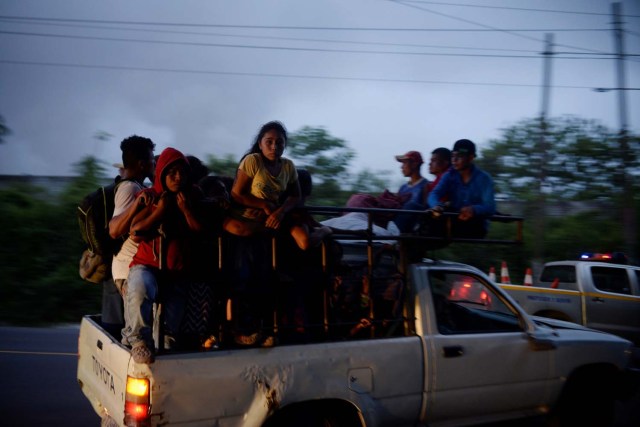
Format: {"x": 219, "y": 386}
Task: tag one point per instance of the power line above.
{"x": 514, "y": 33}
{"x": 594, "y": 53}
{"x": 285, "y": 27}
{"x": 263, "y": 37}
{"x": 457, "y": 18}
{"x": 277, "y": 75}
{"x": 47, "y": 21}
{"x": 572, "y": 12}
{"x": 286, "y": 48}
{"x": 633, "y": 33}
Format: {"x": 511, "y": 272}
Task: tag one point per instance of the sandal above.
{"x": 246, "y": 340}
{"x": 267, "y": 341}
{"x": 142, "y": 354}
{"x": 210, "y": 343}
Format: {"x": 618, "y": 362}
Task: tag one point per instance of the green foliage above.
{"x": 40, "y": 249}
{"x": 570, "y": 238}
{"x": 224, "y": 166}
{"x": 39, "y": 260}
{"x": 90, "y": 170}
{"x": 578, "y": 160}
{"x": 328, "y": 194}
{"x": 367, "y": 181}
{"x": 326, "y": 157}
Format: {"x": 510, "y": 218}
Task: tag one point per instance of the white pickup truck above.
{"x": 454, "y": 350}
{"x": 599, "y": 295}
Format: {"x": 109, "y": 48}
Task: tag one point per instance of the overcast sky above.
{"x": 386, "y": 76}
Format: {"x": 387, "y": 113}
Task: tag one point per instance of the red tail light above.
{"x": 136, "y": 406}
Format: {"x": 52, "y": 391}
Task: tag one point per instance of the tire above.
{"x": 316, "y": 415}
{"x": 587, "y": 400}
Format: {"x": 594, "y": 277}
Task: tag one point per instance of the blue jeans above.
{"x": 112, "y": 308}
{"x": 143, "y": 286}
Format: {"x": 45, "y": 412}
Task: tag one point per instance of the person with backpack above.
{"x": 138, "y": 164}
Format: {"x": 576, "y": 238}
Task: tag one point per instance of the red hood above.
{"x": 167, "y": 157}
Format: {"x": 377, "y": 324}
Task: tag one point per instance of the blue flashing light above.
{"x": 616, "y": 257}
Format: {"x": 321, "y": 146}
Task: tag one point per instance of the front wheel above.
{"x": 587, "y": 400}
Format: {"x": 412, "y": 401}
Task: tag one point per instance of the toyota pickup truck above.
{"x": 425, "y": 353}
{"x": 596, "y": 294}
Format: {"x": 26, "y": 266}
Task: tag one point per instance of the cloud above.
{"x": 216, "y": 98}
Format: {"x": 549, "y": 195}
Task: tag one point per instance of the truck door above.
{"x": 482, "y": 361}
{"x": 610, "y": 303}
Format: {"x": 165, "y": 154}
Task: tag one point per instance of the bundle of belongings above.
{"x": 382, "y": 222}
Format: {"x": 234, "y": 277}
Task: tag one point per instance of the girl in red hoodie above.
{"x": 164, "y": 229}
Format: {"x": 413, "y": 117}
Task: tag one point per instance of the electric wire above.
{"x": 289, "y": 27}
{"x": 285, "y": 48}
{"x": 281, "y": 75}
{"x": 297, "y": 39}
{"x": 514, "y": 33}
{"x": 524, "y": 9}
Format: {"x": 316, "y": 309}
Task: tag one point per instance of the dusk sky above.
{"x": 385, "y": 76}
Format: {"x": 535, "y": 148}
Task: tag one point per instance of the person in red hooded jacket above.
{"x": 164, "y": 228}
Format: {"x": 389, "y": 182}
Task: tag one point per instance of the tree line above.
{"x": 575, "y": 160}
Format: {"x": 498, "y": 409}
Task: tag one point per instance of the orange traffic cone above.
{"x": 504, "y": 273}
{"x": 555, "y": 283}
{"x": 492, "y": 273}
{"x": 528, "y": 278}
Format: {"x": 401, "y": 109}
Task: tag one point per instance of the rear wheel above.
{"x": 319, "y": 414}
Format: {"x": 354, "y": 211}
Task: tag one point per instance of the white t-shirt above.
{"x": 125, "y": 196}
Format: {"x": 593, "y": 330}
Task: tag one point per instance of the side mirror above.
{"x": 541, "y": 341}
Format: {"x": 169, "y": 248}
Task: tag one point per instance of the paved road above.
{"x": 38, "y": 383}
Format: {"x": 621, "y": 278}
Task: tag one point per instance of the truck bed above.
{"x": 365, "y": 372}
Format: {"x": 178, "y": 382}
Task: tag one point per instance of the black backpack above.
{"x": 94, "y": 213}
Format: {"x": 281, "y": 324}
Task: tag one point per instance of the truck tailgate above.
{"x": 102, "y": 362}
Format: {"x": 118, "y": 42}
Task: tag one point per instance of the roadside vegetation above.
{"x": 576, "y": 185}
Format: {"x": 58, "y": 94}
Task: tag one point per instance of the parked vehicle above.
{"x": 423, "y": 354}
{"x": 597, "y": 294}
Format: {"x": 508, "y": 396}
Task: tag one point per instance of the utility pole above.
{"x": 629, "y": 220}
{"x": 539, "y": 223}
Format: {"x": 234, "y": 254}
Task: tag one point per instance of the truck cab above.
{"x": 609, "y": 293}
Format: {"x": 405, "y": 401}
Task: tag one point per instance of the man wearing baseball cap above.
{"x": 413, "y": 191}
{"x": 468, "y": 191}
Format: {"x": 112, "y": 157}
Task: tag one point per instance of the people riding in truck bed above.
{"x": 262, "y": 176}
{"x": 164, "y": 228}
{"x": 465, "y": 189}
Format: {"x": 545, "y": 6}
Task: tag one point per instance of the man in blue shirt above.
{"x": 411, "y": 192}
{"x": 467, "y": 190}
